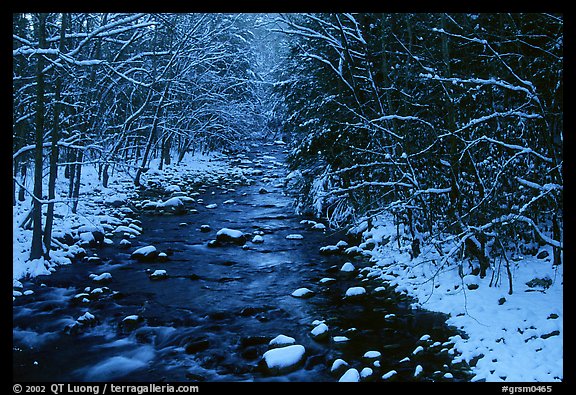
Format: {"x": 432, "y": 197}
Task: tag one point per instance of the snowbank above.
{"x": 517, "y": 337}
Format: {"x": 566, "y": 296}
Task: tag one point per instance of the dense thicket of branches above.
{"x": 116, "y": 90}
{"x": 453, "y": 122}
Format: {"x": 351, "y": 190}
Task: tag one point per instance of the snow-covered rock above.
{"x": 319, "y": 332}
{"x": 284, "y": 359}
{"x": 366, "y": 373}
{"x": 418, "y": 370}
{"x": 389, "y": 374}
{"x": 294, "y": 236}
{"x": 205, "y": 228}
{"x": 417, "y": 350}
{"x": 86, "y": 318}
{"x": 159, "y": 274}
{"x": 174, "y": 205}
{"x": 350, "y": 376}
{"x": 372, "y": 354}
{"x": 281, "y": 341}
{"x": 226, "y": 235}
{"x": 353, "y": 292}
{"x": 212, "y": 206}
{"x": 258, "y": 239}
{"x": 347, "y": 267}
{"x": 326, "y": 280}
{"x": 329, "y": 250}
{"x": 125, "y": 243}
{"x": 302, "y": 293}
{"x": 339, "y": 366}
{"x": 146, "y": 253}
{"x": 102, "y": 278}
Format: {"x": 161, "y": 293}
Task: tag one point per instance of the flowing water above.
{"x": 211, "y": 319}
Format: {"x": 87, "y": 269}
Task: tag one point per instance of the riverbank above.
{"x": 510, "y": 337}
{"x": 99, "y": 210}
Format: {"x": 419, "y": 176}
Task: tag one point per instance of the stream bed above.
{"x": 212, "y": 314}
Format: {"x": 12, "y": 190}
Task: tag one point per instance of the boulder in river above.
{"x": 282, "y": 341}
{"x": 226, "y": 235}
{"x": 302, "y": 293}
{"x": 284, "y": 359}
{"x": 351, "y": 376}
{"x": 173, "y": 205}
{"x": 159, "y": 274}
{"x": 320, "y": 332}
{"x": 354, "y": 292}
{"x": 145, "y": 254}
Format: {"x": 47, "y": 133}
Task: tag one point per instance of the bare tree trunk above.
{"x": 54, "y": 149}
{"x": 36, "y": 248}
{"x": 77, "y": 176}
{"x": 152, "y": 136}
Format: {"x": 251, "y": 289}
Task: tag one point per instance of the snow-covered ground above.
{"x": 94, "y": 208}
{"x": 517, "y": 337}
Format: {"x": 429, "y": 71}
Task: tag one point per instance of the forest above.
{"x": 450, "y": 125}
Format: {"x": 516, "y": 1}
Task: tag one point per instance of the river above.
{"x": 211, "y": 319}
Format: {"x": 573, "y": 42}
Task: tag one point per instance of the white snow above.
{"x": 319, "y": 330}
{"x": 87, "y": 316}
{"x": 355, "y": 291}
{"x": 319, "y": 226}
{"x": 326, "y": 280}
{"x": 294, "y": 236}
{"x": 102, "y": 277}
{"x": 172, "y": 202}
{"x": 158, "y": 274}
{"x": 212, "y": 206}
{"x": 340, "y": 339}
{"x": 144, "y": 251}
{"x": 347, "y": 267}
{"x": 337, "y": 364}
{"x": 418, "y": 370}
{"x": 372, "y": 354}
{"x": 281, "y": 340}
{"x": 284, "y": 357}
{"x": 417, "y": 350}
{"x": 302, "y": 292}
{"x": 351, "y": 376}
{"x": 389, "y": 374}
{"x": 366, "y": 372}
{"x": 517, "y": 337}
{"x": 233, "y": 233}
{"x": 258, "y": 239}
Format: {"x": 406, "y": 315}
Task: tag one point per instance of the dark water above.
{"x": 212, "y": 318}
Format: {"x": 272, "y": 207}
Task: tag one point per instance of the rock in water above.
{"x": 144, "y": 254}
{"x": 281, "y": 341}
{"x": 353, "y": 292}
{"x": 302, "y": 293}
{"x": 226, "y": 235}
{"x": 175, "y": 205}
{"x": 320, "y": 332}
{"x": 347, "y": 267}
{"x": 351, "y": 376}
{"x": 159, "y": 275}
{"x": 284, "y": 359}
